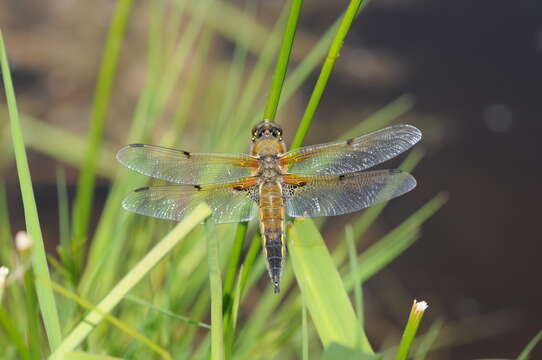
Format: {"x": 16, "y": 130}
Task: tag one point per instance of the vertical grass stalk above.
{"x": 414, "y": 319}
{"x": 283, "y": 60}
{"x": 325, "y": 73}
{"x": 215, "y": 283}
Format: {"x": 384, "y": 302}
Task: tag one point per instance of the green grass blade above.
{"x": 336, "y": 351}
{"x": 395, "y": 242}
{"x": 113, "y": 320}
{"x": 283, "y": 60}
{"x": 349, "y": 237}
{"x": 322, "y": 287}
{"x": 215, "y": 283}
{"x": 46, "y": 297}
{"x": 167, "y": 312}
{"x": 530, "y": 346}
{"x": 102, "y": 95}
{"x": 414, "y": 319}
{"x": 142, "y": 268}
{"x": 325, "y": 73}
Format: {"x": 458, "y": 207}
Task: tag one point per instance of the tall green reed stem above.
{"x": 283, "y": 60}
{"x": 269, "y": 113}
{"x": 333, "y": 54}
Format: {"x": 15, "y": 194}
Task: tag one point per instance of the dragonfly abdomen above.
{"x": 272, "y": 229}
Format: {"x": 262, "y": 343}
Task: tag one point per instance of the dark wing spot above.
{"x": 395, "y": 171}
{"x": 197, "y": 187}
{"x": 141, "y": 189}
{"x": 302, "y": 183}
{"x": 137, "y": 145}
{"x": 349, "y": 141}
{"x": 186, "y": 153}
{"x": 341, "y": 177}
{"x": 238, "y": 188}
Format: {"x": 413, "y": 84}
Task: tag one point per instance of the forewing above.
{"x": 351, "y": 155}
{"x": 183, "y": 167}
{"x": 336, "y": 195}
{"x": 231, "y": 202}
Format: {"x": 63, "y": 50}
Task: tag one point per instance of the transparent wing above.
{"x": 230, "y": 202}
{"x": 352, "y": 155}
{"x": 342, "y": 194}
{"x": 183, "y": 167}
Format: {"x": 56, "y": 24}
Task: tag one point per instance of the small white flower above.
{"x": 22, "y": 241}
{"x": 4, "y": 271}
{"x": 419, "y": 307}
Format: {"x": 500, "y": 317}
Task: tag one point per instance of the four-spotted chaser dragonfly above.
{"x": 319, "y": 180}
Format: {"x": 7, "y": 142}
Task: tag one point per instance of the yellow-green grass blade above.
{"x": 102, "y": 95}
{"x": 58, "y": 355}
{"x": 525, "y": 354}
{"x": 46, "y": 297}
{"x": 352, "y": 255}
{"x": 382, "y": 117}
{"x": 43, "y": 138}
{"x": 80, "y": 355}
{"x": 142, "y": 268}
{"x": 234, "y": 81}
{"x": 371, "y": 261}
{"x": 321, "y": 285}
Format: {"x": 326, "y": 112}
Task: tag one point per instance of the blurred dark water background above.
{"x": 474, "y": 68}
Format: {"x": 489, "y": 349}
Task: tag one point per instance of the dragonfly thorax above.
{"x": 269, "y": 168}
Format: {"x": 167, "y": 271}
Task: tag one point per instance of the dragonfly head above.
{"x": 266, "y": 130}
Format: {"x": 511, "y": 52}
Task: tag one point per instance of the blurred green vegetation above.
{"x": 139, "y": 288}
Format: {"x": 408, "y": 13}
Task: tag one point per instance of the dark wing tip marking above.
{"x": 136, "y": 145}
{"x": 186, "y": 153}
{"x": 349, "y": 141}
{"x": 197, "y": 187}
{"x": 395, "y": 171}
{"x": 142, "y": 189}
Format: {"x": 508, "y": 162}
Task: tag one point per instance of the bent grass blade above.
{"x": 322, "y": 288}
{"x": 142, "y": 268}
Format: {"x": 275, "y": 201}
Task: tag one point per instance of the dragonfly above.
{"x": 270, "y": 182}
